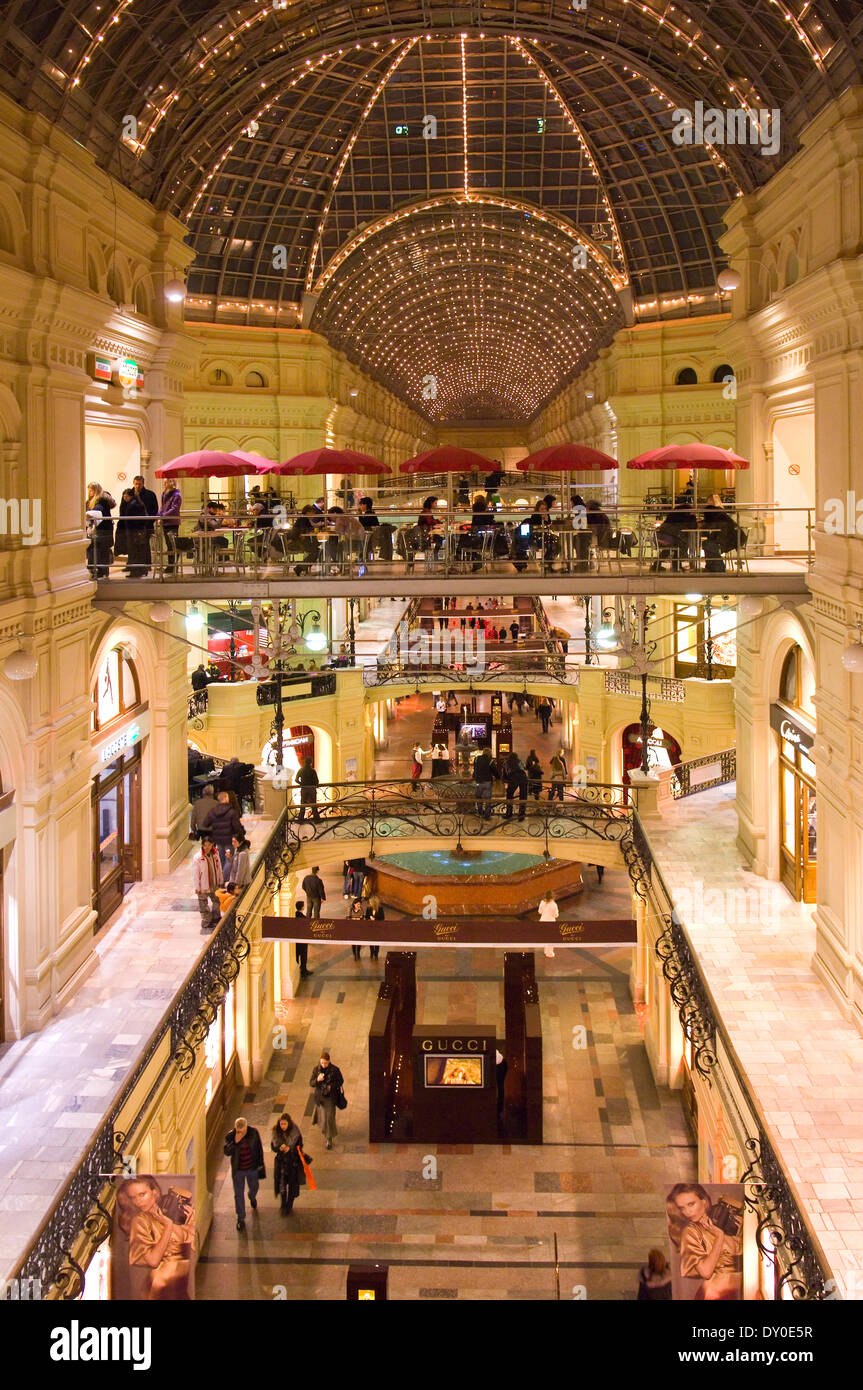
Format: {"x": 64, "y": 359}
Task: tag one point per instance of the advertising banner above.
{"x": 154, "y": 1242}
{"x": 705, "y": 1233}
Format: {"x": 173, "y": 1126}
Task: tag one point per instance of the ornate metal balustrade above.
{"x": 683, "y": 783}
{"x": 77, "y": 1211}
{"x": 666, "y": 688}
{"x": 781, "y": 1227}
{"x": 198, "y": 703}
{"x": 325, "y": 684}
{"x": 518, "y": 670}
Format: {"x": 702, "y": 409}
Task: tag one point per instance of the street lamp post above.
{"x": 587, "y": 633}
{"x": 352, "y": 634}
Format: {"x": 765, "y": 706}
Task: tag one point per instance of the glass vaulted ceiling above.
{"x": 486, "y": 247}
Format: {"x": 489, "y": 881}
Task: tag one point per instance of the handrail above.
{"x": 681, "y": 774}
{"x": 521, "y": 667}
{"x": 660, "y": 687}
{"x": 782, "y": 1225}
{"x": 629, "y": 541}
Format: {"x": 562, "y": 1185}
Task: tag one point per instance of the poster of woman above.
{"x": 153, "y": 1248}
{"x": 705, "y": 1231}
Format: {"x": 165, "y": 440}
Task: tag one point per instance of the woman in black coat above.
{"x": 289, "y": 1175}
{"x": 100, "y": 530}
{"x": 132, "y": 537}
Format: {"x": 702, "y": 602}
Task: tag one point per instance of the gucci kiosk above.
{"x": 455, "y": 1085}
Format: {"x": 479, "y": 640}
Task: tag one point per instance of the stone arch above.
{"x": 614, "y": 754}
{"x": 13, "y": 228}
{"x": 782, "y": 631}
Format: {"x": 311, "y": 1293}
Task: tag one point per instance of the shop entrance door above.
{"x": 116, "y": 835}
{"x": 799, "y": 835}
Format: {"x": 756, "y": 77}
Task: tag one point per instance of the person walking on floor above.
{"x": 357, "y": 914}
{"x": 483, "y": 776}
{"x": 301, "y": 948}
{"x": 288, "y": 1176}
{"x": 206, "y": 879}
{"x": 316, "y": 893}
{"x": 557, "y": 770}
{"x": 374, "y": 913}
{"x": 326, "y": 1082}
{"x": 238, "y": 874}
{"x": 417, "y": 753}
{"x": 515, "y": 778}
{"x": 246, "y": 1152}
{"x": 533, "y": 768}
{"x": 544, "y": 709}
{"x": 654, "y": 1279}
{"x": 548, "y": 912}
{"x": 307, "y": 780}
{"x": 222, "y": 824}
{"x": 200, "y": 810}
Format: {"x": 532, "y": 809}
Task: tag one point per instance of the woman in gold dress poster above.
{"x": 153, "y": 1250}
{"x": 705, "y": 1228}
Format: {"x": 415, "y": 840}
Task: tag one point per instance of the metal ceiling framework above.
{"x": 293, "y": 138}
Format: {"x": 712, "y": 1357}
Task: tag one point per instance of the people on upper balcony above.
{"x": 100, "y": 530}
{"x": 169, "y": 515}
{"x": 427, "y": 521}
{"x": 131, "y": 537}
{"x": 367, "y": 516}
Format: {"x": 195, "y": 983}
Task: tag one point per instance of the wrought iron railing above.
{"x": 631, "y": 539}
{"x": 198, "y": 703}
{"x": 666, "y": 688}
{"x": 518, "y": 668}
{"x": 77, "y": 1210}
{"x": 325, "y": 684}
{"x": 781, "y": 1227}
{"x": 699, "y": 774}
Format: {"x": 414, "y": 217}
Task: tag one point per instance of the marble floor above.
{"x": 481, "y": 1220}
{"x": 804, "y": 1062}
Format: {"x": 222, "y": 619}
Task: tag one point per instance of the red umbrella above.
{"x": 566, "y": 458}
{"x": 449, "y": 458}
{"x": 693, "y": 455}
{"x": 207, "y": 463}
{"x": 321, "y": 461}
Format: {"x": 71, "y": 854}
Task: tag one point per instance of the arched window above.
{"x": 142, "y": 299}
{"x": 792, "y": 269}
{"x": 219, "y": 377}
{"x": 117, "y": 690}
{"x": 256, "y": 379}
{"x": 723, "y": 372}
{"x": 687, "y": 376}
{"x": 114, "y": 286}
{"x": 797, "y": 682}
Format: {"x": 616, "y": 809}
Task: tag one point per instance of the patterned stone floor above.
{"x": 804, "y": 1062}
{"x": 484, "y": 1227}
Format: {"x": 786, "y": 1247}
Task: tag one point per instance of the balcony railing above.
{"x": 699, "y": 774}
{"x": 666, "y": 688}
{"x": 629, "y": 541}
{"x": 520, "y": 667}
{"x": 782, "y": 1229}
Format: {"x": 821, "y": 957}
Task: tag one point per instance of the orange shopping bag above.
{"x": 310, "y": 1182}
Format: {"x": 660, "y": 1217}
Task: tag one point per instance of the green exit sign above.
{"x": 401, "y": 130}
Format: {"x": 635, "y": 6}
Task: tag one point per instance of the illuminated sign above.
{"x": 790, "y": 729}
{"x": 401, "y": 130}
{"x": 127, "y": 371}
{"x": 127, "y": 739}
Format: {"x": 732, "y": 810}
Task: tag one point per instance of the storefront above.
{"x": 298, "y": 743}
{"x": 220, "y": 1058}
{"x": 794, "y": 726}
{"x": 120, "y": 726}
{"x": 663, "y": 751}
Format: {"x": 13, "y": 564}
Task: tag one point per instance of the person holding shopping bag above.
{"x": 286, "y": 1144}
{"x": 326, "y": 1082}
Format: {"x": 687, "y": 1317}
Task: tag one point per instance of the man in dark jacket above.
{"x": 516, "y": 781}
{"x": 150, "y": 500}
{"x": 307, "y": 781}
{"x": 200, "y": 679}
{"x": 483, "y": 776}
{"x": 316, "y": 893}
{"x": 223, "y": 823}
{"x": 246, "y": 1152}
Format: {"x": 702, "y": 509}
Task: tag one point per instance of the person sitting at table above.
{"x": 540, "y": 532}
{"x": 301, "y": 537}
{"x": 671, "y": 534}
{"x": 344, "y": 540}
{"x": 367, "y": 516}
{"x": 426, "y": 521}
{"x": 210, "y": 520}
{"x": 721, "y": 534}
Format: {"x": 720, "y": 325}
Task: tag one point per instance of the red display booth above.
{"x": 663, "y": 751}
